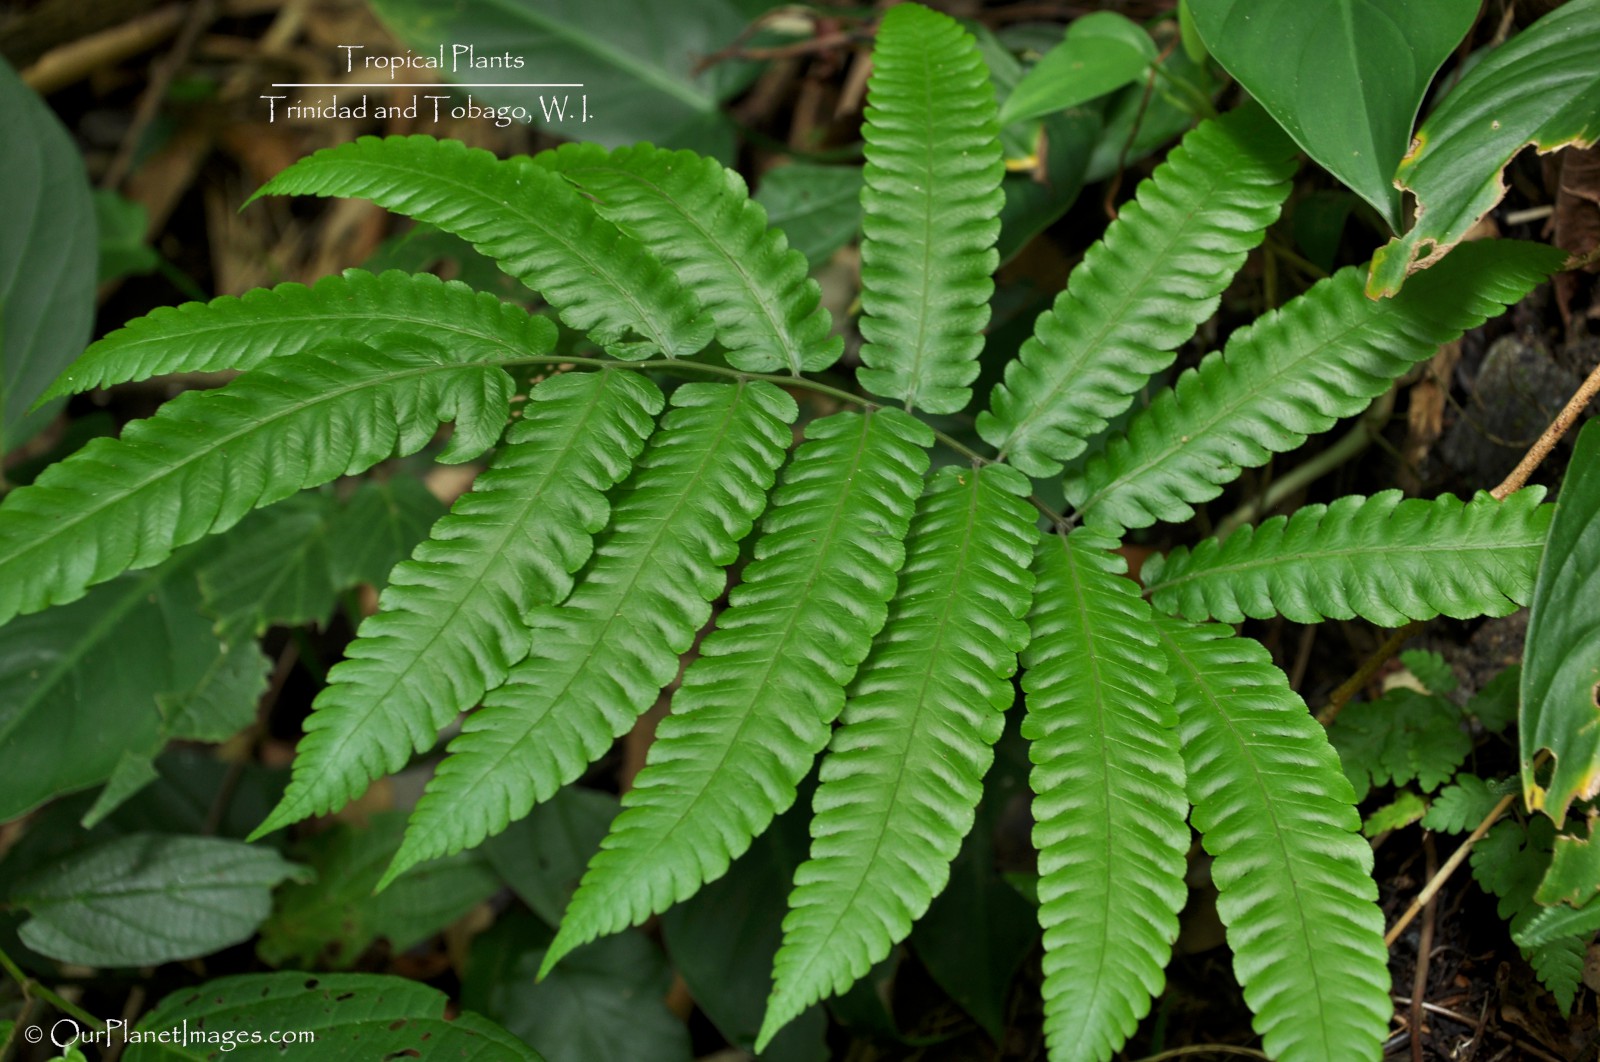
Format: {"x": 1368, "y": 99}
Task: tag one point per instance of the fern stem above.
{"x": 779, "y": 380}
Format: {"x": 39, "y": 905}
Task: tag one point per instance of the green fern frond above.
{"x": 931, "y": 211}
{"x": 541, "y": 231}
{"x": 207, "y": 458}
{"x": 600, "y": 658}
{"x": 697, "y": 217}
{"x": 451, "y": 622}
{"x": 1109, "y": 807}
{"x": 1380, "y": 558}
{"x": 759, "y": 702}
{"x": 905, "y": 769}
{"x": 1142, "y": 290}
{"x": 1294, "y": 373}
{"x": 242, "y": 333}
{"x": 1294, "y": 878}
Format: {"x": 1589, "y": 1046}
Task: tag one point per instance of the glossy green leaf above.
{"x": 346, "y": 1015}
{"x": 1344, "y": 77}
{"x": 1561, "y": 670}
{"x": 330, "y": 920}
{"x": 905, "y": 769}
{"x": 1541, "y": 88}
{"x": 47, "y": 257}
{"x": 147, "y": 899}
{"x": 1141, "y": 291}
{"x": 1102, "y": 52}
{"x": 1382, "y": 558}
{"x": 1293, "y": 373}
{"x": 1109, "y": 807}
{"x": 600, "y": 658}
{"x": 928, "y": 212}
{"x": 627, "y": 70}
{"x": 759, "y": 702}
{"x": 817, "y": 207}
{"x": 509, "y": 545}
{"x": 1294, "y": 877}
{"x": 268, "y": 323}
{"x": 697, "y": 217}
{"x": 207, "y": 458}
{"x": 540, "y": 230}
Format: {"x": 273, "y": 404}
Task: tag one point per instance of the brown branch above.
{"x": 1552, "y": 435}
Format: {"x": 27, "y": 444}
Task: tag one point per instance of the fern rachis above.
{"x": 880, "y": 616}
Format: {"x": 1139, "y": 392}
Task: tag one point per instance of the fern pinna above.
{"x": 885, "y": 605}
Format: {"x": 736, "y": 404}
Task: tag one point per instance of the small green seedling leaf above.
{"x": 1574, "y": 874}
{"x": 1343, "y": 77}
{"x": 1407, "y": 807}
{"x": 1460, "y": 806}
{"x": 1430, "y": 669}
{"x": 1561, "y": 672}
{"x": 1102, "y": 52}
{"x": 1402, "y": 736}
{"x": 1542, "y": 88}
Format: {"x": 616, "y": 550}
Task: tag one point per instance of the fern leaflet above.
{"x": 1294, "y": 878}
{"x": 242, "y": 333}
{"x": 1380, "y": 558}
{"x": 209, "y": 457}
{"x": 905, "y": 769}
{"x": 698, "y": 218}
{"x": 540, "y": 230}
{"x": 1141, "y": 290}
{"x": 931, "y": 207}
{"x": 1294, "y": 373}
{"x": 1109, "y": 806}
{"x": 759, "y": 702}
{"x": 600, "y": 658}
{"x": 451, "y": 621}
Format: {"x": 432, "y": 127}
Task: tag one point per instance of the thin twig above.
{"x": 1552, "y": 435}
{"x": 1419, "y": 976}
{"x": 1456, "y": 1016}
{"x": 201, "y": 14}
{"x": 33, "y": 989}
{"x": 1369, "y": 667}
{"x": 1204, "y": 1049}
{"x": 1443, "y": 874}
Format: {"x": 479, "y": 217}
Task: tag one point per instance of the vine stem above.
{"x": 33, "y": 989}
{"x": 679, "y": 365}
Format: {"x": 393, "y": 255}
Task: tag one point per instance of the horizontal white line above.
{"x": 418, "y": 84}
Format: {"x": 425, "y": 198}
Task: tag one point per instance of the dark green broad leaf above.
{"x": 604, "y": 1003}
{"x": 47, "y": 257}
{"x": 1343, "y": 77}
{"x": 285, "y": 565}
{"x": 723, "y": 939}
{"x": 542, "y": 856}
{"x": 107, "y": 680}
{"x": 1561, "y": 668}
{"x": 1102, "y": 52}
{"x": 146, "y": 899}
{"x": 346, "y": 1016}
{"x": 977, "y": 932}
{"x": 817, "y": 207}
{"x": 121, "y": 224}
{"x": 333, "y": 919}
{"x": 616, "y": 71}
{"x": 1542, "y": 87}
{"x": 1137, "y": 124}
{"x": 1059, "y": 149}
